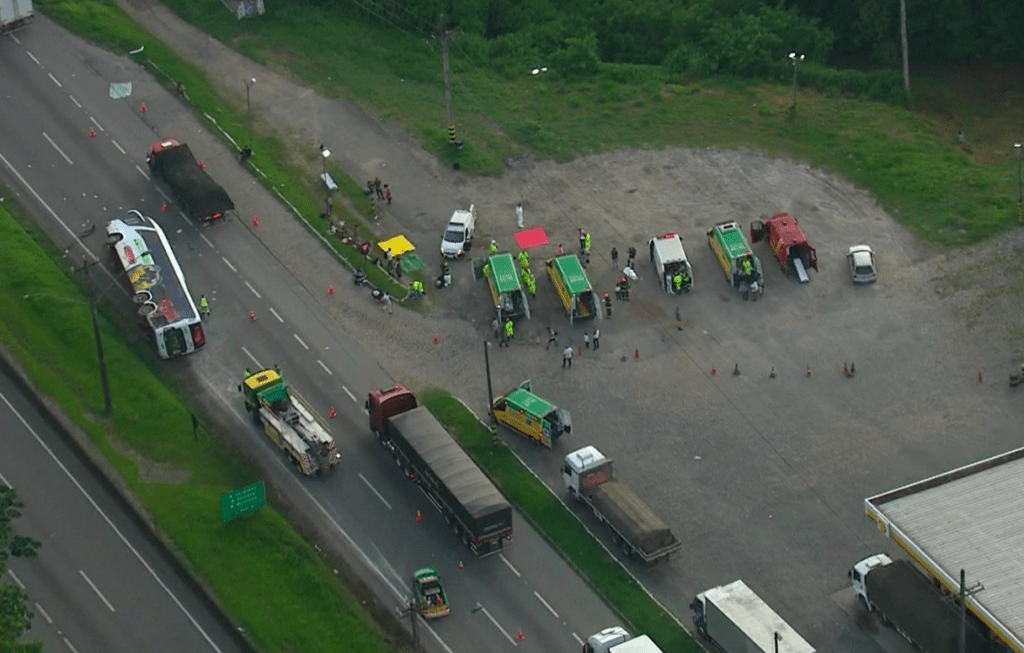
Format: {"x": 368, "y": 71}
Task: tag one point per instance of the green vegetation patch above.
{"x": 266, "y": 577}
{"x": 559, "y": 526}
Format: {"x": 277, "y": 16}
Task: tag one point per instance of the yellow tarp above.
{"x": 399, "y": 245}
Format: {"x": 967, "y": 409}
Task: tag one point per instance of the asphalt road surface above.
{"x": 100, "y": 583}
{"x": 56, "y": 90}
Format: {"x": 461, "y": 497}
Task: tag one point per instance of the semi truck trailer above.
{"x": 734, "y": 619}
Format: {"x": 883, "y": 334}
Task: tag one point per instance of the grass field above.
{"x": 266, "y": 577}
{"x": 943, "y": 192}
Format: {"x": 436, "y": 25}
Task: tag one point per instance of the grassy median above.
{"x": 559, "y": 526}
{"x": 267, "y": 578}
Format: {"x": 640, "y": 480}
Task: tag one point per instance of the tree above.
{"x": 15, "y": 617}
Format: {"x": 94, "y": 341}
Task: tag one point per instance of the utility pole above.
{"x": 99, "y": 340}
{"x": 412, "y": 612}
{"x": 963, "y": 611}
{"x": 490, "y": 392}
{"x": 906, "y": 53}
{"x": 447, "y": 81}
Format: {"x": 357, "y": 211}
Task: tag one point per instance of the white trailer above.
{"x": 15, "y": 14}
{"x": 735, "y": 620}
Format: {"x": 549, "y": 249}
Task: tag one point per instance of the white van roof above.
{"x": 462, "y": 216}
{"x": 670, "y": 248}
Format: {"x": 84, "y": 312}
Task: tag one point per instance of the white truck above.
{"x": 668, "y": 258}
{"x": 618, "y": 640}
{"x": 588, "y": 476}
{"x": 458, "y": 235}
{"x": 735, "y": 620}
{"x": 15, "y": 14}
{"x": 902, "y": 597}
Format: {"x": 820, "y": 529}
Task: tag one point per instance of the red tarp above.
{"x": 530, "y": 238}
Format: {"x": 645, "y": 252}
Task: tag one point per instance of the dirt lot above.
{"x": 763, "y": 479}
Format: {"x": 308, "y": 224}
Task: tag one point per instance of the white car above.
{"x": 862, "y": 264}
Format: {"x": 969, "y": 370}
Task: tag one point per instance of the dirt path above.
{"x": 762, "y": 478}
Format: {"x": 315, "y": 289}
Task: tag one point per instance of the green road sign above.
{"x": 242, "y": 501}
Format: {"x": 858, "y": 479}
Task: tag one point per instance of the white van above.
{"x": 459, "y": 233}
{"x": 668, "y": 257}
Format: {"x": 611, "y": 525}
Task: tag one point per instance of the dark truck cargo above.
{"x": 904, "y": 597}
{"x": 202, "y": 198}
{"x": 629, "y": 514}
{"x": 428, "y": 454}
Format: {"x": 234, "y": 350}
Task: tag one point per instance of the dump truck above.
{"x": 735, "y": 619}
{"x": 202, "y": 198}
{"x": 15, "y": 14}
{"x": 902, "y": 597}
{"x": 788, "y": 242}
{"x": 530, "y": 416}
{"x": 573, "y": 288}
{"x": 618, "y": 640}
{"x": 669, "y": 258}
{"x": 290, "y": 422}
{"x": 734, "y": 255}
{"x": 641, "y": 534}
{"x": 506, "y": 287}
{"x": 428, "y": 455}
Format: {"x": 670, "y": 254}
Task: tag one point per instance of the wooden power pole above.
{"x": 903, "y": 38}
{"x": 447, "y": 81}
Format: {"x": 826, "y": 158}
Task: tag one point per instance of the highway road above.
{"x": 57, "y": 89}
{"x": 100, "y": 583}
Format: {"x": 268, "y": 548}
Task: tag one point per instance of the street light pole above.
{"x": 490, "y": 392}
{"x": 324, "y": 155}
{"x": 99, "y": 340}
{"x": 776, "y": 638}
{"x": 796, "y": 59}
{"x": 248, "y": 111}
{"x": 1020, "y": 189}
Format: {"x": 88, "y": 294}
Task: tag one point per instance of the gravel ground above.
{"x": 763, "y": 479}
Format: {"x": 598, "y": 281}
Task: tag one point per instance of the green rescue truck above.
{"x": 573, "y": 288}
{"x": 726, "y": 240}
{"x": 530, "y": 416}
{"x": 506, "y": 288}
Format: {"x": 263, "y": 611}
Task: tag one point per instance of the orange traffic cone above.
{"x": 519, "y": 635}
{"x": 330, "y": 289}
{"x": 979, "y": 378}
{"x": 143, "y": 108}
{"x": 419, "y": 517}
{"x": 461, "y": 566}
{"x": 714, "y": 370}
{"x": 436, "y": 340}
{"x": 252, "y": 316}
{"x": 164, "y": 207}
{"x": 808, "y": 371}
{"x": 202, "y": 165}
{"x": 636, "y": 353}
{"x": 92, "y": 133}
{"x": 255, "y": 220}
{"x": 332, "y": 413}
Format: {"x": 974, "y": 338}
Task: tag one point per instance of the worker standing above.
{"x": 567, "y": 356}
{"x": 519, "y": 215}
{"x": 597, "y": 334}
{"x": 677, "y": 282}
{"x": 510, "y": 330}
{"x": 204, "y": 306}
{"x": 747, "y": 267}
{"x": 586, "y": 242}
{"x": 494, "y": 247}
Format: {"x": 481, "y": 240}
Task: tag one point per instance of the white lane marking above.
{"x": 114, "y": 528}
{"x": 514, "y": 570}
{"x": 33, "y": 57}
{"x": 229, "y": 265}
{"x": 374, "y": 490}
{"x": 15, "y": 39}
{"x": 498, "y": 626}
{"x": 142, "y": 172}
{"x": 46, "y": 616}
{"x": 5, "y": 481}
{"x": 545, "y": 604}
{"x": 249, "y": 286}
{"x": 17, "y": 581}
{"x": 119, "y": 148}
{"x": 577, "y": 638}
{"x": 274, "y": 313}
{"x": 304, "y": 345}
{"x": 326, "y": 369}
{"x": 56, "y": 217}
{"x": 167, "y": 198}
{"x": 98, "y": 126}
{"x": 66, "y": 158}
{"x": 251, "y": 357}
{"x": 207, "y": 241}
{"x": 79, "y": 106}
{"x": 59, "y": 85}
{"x": 70, "y": 646}
{"x": 185, "y": 218}
{"x": 351, "y": 396}
{"x": 97, "y": 590}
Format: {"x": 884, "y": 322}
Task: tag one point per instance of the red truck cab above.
{"x": 382, "y": 404}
